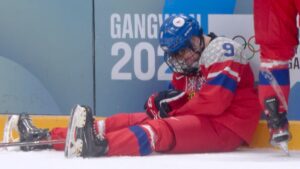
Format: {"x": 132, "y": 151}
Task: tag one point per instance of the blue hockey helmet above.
{"x": 177, "y": 31}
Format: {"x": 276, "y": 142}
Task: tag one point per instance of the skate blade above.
{"x": 284, "y": 147}
{"x": 9, "y": 128}
{"x": 73, "y": 146}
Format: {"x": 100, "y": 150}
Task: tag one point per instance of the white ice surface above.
{"x": 241, "y": 159}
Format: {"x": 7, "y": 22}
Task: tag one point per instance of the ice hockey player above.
{"x": 212, "y": 106}
{"x": 277, "y": 34}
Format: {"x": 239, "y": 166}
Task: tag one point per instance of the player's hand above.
{"x": 159, "y": 105}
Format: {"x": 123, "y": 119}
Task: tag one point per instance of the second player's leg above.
{"x": 110, "y": 124}
{"x": 276, "y": 33}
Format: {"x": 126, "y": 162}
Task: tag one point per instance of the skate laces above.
{"x": 27, "y": 122}
{"x": 96, "y": 131}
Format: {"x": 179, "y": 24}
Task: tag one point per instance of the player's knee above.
{"x": 163, "y": 135}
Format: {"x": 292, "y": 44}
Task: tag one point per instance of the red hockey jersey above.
{"x": 223, "y": 89}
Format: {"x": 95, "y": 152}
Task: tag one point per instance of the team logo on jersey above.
{"x": 194, "y": 84}
{"x": 179, "y": 77}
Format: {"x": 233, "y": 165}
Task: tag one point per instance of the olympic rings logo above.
{"x": 249, "y": 46}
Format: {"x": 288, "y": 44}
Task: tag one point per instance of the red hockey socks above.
{"x": 59, "y": 134}
{"x": 274, "y": 81}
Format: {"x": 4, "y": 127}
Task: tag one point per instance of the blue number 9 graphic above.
{"x": 229, "y": 49}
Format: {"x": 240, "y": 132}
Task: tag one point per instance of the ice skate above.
{"x": 82, "y": 139}
{"x": 27, "y": 132}
{"x": 278, "y": 125}
{"x": 280, "y": 138}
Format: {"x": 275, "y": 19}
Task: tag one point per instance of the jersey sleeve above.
{"x": 223, "y": 68}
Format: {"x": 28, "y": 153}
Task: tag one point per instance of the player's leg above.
{"x": 276, "y": 33}
{"x": 110, "y": 124}
{"x": 122, "y": 120}
{"x": 143, "y": 139}
{"x": 275, "y": 27}
{"x": 58, "y": 133}
{"x": 84, "y": 140}
{"x": 274, "y": 87}
{"x": 82, "y": 136}
{"x": 28, "y": 132}
{"x": 194, "y": 134}
{"x": 182, "y": 134}
{"x": 297, "y": 4}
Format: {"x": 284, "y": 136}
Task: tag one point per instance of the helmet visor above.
{"x": 185, "y": 61}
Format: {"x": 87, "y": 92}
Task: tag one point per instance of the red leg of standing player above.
{"x": 276, "y": 33}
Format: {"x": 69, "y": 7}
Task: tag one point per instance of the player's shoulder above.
{"x": 221, "y": 49}
{"x": 223, "y": 39}
{"x": 223, "y": 44}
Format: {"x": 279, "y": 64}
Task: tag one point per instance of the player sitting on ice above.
{"x": 212, "y": 106}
